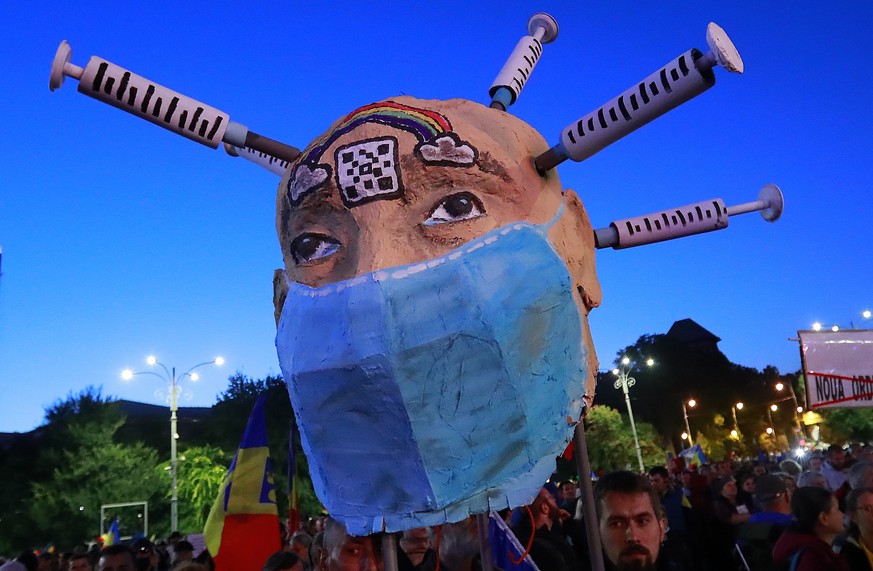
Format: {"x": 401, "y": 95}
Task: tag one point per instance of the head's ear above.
{"x": 573, "y": 238}
{"x": 280, "y": 290}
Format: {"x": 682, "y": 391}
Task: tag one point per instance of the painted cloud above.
{"x": 448, "y": 149}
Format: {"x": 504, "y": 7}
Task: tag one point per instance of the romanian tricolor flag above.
{"x": 242, "y": 530}
{"x": 111, "y": 536}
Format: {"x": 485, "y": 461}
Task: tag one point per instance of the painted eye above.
{"x": 454, "y": 208}
{"x": 311, "y": 247}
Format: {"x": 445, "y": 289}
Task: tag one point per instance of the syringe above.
{"x": 269, "y": 162}
{"x": 680, "y": 80}
{"x": 135, "y": 94}
{"x": 543, "y": 29}
{"x": 696, "y": 218}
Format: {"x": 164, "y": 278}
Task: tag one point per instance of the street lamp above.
{"x": 174, "y": 381}
{"x": 624, "y": 382}
{"x": 691, "y": 403}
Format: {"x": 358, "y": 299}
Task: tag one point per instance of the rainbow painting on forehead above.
{"x": 432, "y": 129}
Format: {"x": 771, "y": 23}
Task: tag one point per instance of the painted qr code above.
{"x": 367, "y": 170}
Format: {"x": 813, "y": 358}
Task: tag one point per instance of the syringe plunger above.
{"x": 506, "y": 88}
{"x": 680, "y": 80}
{"x": 112, "y": 84}
{"x": 696, "y": 218}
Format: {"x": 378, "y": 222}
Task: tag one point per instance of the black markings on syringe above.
{"x": 648, "y": 92}
{"x": 269, "y": 158}
{"x": 536, "y": 50}
{"x": 663, "y": 220}
{"x": 153, "y": 104}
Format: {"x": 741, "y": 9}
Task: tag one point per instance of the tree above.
{"x": 94, "y": 471}
{"x": 200, "y": 471}
{"x": 685, "y": 369}
{"x": 611, "y": 442}
{"x": 58, "y": 475}
{"x": 844, "y": 425}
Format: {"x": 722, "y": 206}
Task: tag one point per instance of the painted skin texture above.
{"x": 392, "y": 232}
{"x": 332, "y": 233}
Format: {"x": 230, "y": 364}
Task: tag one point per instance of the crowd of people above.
{"x": 722, "y": 516}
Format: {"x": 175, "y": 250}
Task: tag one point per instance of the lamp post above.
{"x": 734, "y": 409}
{"x": 692, "y": 403}
{"x": 174, "y": 381}
{"x": 771, "y": 430}
{"x": 624, "y": 382}
{"x": 797, "y": 409}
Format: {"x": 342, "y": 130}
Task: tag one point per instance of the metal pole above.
{"x": 592, "y": 528}
{"x": 389, "y": 551}
{"x": 687, "y": 427}
{"x": 797, "y": 424}
{"x": 630, "y": 412}
{"x": 736, "y": 424}
{"x": 773, "y": 428}
{"x": 174, "y": 496}
{"x": 484, "y": 542}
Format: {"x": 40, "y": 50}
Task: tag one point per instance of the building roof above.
{"x": 689, "y": 332}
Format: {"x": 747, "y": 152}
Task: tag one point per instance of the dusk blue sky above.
{"x": 121, "y": 239}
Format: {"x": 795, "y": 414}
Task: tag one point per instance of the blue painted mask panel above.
{"x": 428, "y": 392}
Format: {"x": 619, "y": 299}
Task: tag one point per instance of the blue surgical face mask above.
{"x": 428, "y": 392}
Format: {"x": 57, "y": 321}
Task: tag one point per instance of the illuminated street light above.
{"x": 769, "y": 430}
{"x": 735, "y": 434}
{"x": 779, "y": 386}
{"x": 174, "y": 381}
{"x": 624, "y": 382}
{"x": 774, "y": 407}
{"x": 684, "y": 436}
{"x": 866, "y": 314}
{"x": 816, "y": 326}
{"x": 835, "y": 328}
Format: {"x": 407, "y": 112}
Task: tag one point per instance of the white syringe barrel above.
{"x": 518, "y": 67}
{"x": 135, "y": 94}
{"x": 273, "y": 164}
{"x": 696, "y": 218}
{"x": 674, "y": 84}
